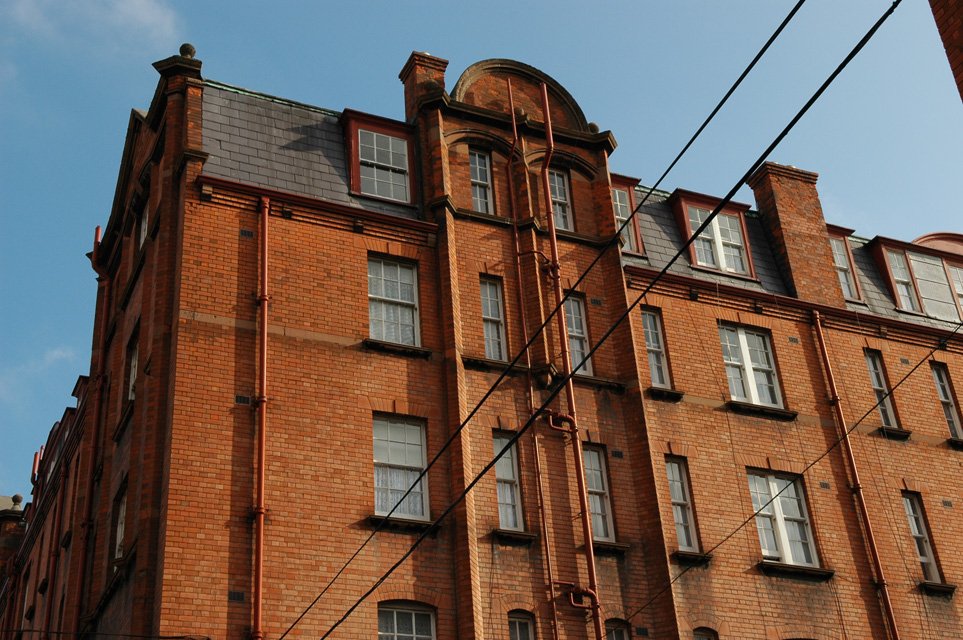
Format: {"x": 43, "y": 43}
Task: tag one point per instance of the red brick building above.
{"x": 298, "y": 307}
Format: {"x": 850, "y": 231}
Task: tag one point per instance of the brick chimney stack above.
{"x": 422, "y": 74}
{"x": 787, "y": 199}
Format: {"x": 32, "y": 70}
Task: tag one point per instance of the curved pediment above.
{"x": 943, "y": 240}
{"x": 484, "y": 84}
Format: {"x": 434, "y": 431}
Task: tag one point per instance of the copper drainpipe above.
{"x": 87, "y": 523}
{"x": 593, "y": 589}
{"x": 257, "y": 633}
{"x": 549, "y": 565}
{"x": 857, "y": 486}
{"x": 54, "y": 552}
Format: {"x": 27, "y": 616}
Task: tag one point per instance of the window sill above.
{"x": 747, "y": 408}
{"x": 28, "y": 614}
{"x": 368, "y": 196}
{"x": 42, "y": 587}
{"x": 604, "y": 547}
{"x": 404, "y": 524}
{"x": 815, "y": 574}
{"x": 665, "y": 395}
{"x": 65, "y": 540}
{"x": 692, "y": 558}
{"x": 955, "y": 443}
{"x": 728, "y": 274}
{"x": 894, "y": 433}
{"x": 486, "y": 364}
{"x": 910, "y": 312}
{"x": 515, "y": 538}
{"x": 937, "y": 589}
{"x": 490, "y": 218}
{"x": 399, "y": 349}
{"x": 602, "y": 383}
{"x": 634, "y": 253}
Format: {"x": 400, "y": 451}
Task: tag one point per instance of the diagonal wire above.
{"x": 611, "y": 242}
{"x": 554, "y": 393}
{"x": 939, "y": 345}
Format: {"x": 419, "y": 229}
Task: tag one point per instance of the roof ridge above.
{"x": 267, "y": 96}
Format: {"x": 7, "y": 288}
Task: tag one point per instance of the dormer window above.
{"x": 623, "y": 204}
{"x": 903, "y": 279}
{"x": 723, "y": 245}
{"x": 379, "y": 157}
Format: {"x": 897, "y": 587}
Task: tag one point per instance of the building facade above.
{"x": 298, "y": 309}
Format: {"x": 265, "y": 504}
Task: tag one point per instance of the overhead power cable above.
{"x": 611, "y": 242}
{"x": 553, "y": 394}
{"x": 939, "y": 345}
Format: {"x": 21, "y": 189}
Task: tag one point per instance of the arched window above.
{"x": 617, "y": 630}
{"x": 520, "y": 626}
{"x": 405, "y": 620}
{"x": 705, "y": 633}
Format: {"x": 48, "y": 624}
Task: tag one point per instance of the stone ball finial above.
{"x": 16, "y": 499}
{"x": 187, "y": 50}
{"x": 431, "y": 85}
{"x": 593, "y": 127}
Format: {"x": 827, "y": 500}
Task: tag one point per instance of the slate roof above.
{"x": 279, "y": 144}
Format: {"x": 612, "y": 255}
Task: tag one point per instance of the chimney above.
{"x": 422, "y": 74}
{"x": 793, "y": 218}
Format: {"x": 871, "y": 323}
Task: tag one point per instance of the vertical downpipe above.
{"x": 857, "y": 486}
{"x": 94, "y": 450}
{"x": 543, "y": 516}
{"x": 257, "y": 633}
{"x": 585, "y": 513}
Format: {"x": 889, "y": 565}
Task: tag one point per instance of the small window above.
{"x": 561, "y": 205}
{"x": 120, "y": 518}
{"x": 598, "y": 494}
{"x": 921, "y": 539}
{"x": 578, "y": 344}
{"x": 617, "y": 630}
{"x": 877, "y": 379}
{"x": 393, "y": 301}
{"x": 132, "y": 357}
{"x": 655, "y": 347}
{"x": 399, "y": 458}
{"x": 842, "y": 260}
{"x": 405, "y": 624}
{"x": 481, "y": 181}
{"x": 721, "y": 246}
{"x": 520, "y": 627}
{"x": 678, "y": 474}
{"x": 750, "y": 368}
{"x": 623, "y": 210}
{"x": 943, "y": 389}
{"x": 703, "y": 633}
{"x": 956, "y": 275}
{"x": 383, "y": 161}
{"x": 142, "y": 221}
{"x": 493, "y": 323}
{"x": 782, "y": 523}
{"x": 905, "y": 289}
{"x": 506, "y": 479}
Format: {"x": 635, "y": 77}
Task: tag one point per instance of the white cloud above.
{"x": 108, "y": 26}
{"x": 19, "y": 379}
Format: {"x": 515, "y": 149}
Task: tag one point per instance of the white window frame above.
{"x": 677, "y": 472}
{"x": 921, "y": 537}
{"x": 412, "y": 614}
{"x": 941, "y": 377}
{"x": 655, "y": 349}
{"x": 877, "y": 380}
{"x": 623, "y": 210}
{"x": 774, "y": 516}
{"x": 617, "y": 630}
{"x": 578, "y": 341}
{"x": 956, "y": 276}
{"x": 597, "y": 485}
{"x": 479, "y": 166}
{"x": 507, "y": 487}
{"x": 906, "y": 294}
{"x": 493, "y": 318}
{"x": 399, "y": 303}
{"x": 518, "y": 622}
{"x": 385, "y": 159}
{"x": 742, "y": 354}
{"x": 844, "y": 269}
{"x": 400, "y": 448}
{"x": 560, "y": 188}
{"x": 721, "y": 246}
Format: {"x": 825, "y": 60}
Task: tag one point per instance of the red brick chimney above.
{"x": 422, "y": 74}
{"x": 787, "y": 199}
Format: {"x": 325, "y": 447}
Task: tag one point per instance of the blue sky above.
{"x": 885, "y": 139}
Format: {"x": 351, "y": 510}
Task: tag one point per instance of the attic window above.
{"x": 723, "y": 245}
{"x": 379, "y": 157}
